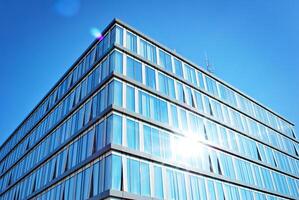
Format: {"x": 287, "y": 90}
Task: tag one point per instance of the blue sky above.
{"x": 252, "y": 45}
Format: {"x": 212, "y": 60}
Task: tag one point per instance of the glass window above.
{"x": 163, "y": 111}
{"x": 147, "y": 139}
{"x": 95, "y": 179}
{"x": 190, "y": 74}
{"x": 144, "y": 104}
{"x": 133, "y": 175}
{"x": 200, "y": 80}
{"x": 211, "y": 190}
{"x": 220, "y": 193}
{"x": 150, "y": 77}
{"x": 217, "y": 110}
{"x": 165, "y": 60}
{"x": 104, "y": 68}
{"x": 131, "y": 42}
{"x": 132, "y": 134}
{"x": 117, "y": 35}
{"x": 176, "y": 185}
{"x": 156, "y": 147}
{"x": 116, "y": 173}
{"x": 148, "y": 51}
{"x": 180, "y": 93}
{"x": 199, "y": 103}
{"x": 227, "y": 95}
{"x": 174, "y": 115}
{"x": 197, "y": 187}
{"x": 113, "y": 179}
{"x": 158, "y": 183}
{"x": 130, "y": 98}
{"x": 145, "y": 179}
{"x": 134, "y": 69}
{"x": 178, "y": 67}
{"x": 116, "y": 62}
{"x": 114, "y": 129}
{"x": 211, "y": 86}
{"x": 189, "y": 97}
{"x": 166, "y": 85}
{"x": 184, "y": 123}
{"x": 115, "y": 93}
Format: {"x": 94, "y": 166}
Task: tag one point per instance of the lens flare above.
{"x": 96, "y": 33}
{"x": 67, "y": 8}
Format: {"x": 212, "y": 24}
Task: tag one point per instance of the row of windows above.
{"x": 195, "y": 77}
{"x": 75, "y": 153}
{"x": 169, "y": 183}
{"x": 205, "y": 104}
{"x": 142, "y": 178}
{"x": 89, "y": 181}
{"x": 185, "y": 151}
{"x": 80, "y": 92}
{"x": 83, "y": 66}
{"x": 177, "y": 90}
{"x": 193, "y": 125}
{"x": 90, "y": 110}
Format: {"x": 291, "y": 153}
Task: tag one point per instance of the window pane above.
{"x": 131, "y": 42}
{"x": 150, "y": 77}
{"x": 134, "y": 69}
{"x": 178, "y": 68}
{"x": 165, "y": 60}
{"x": 117, "y": 36}
{"x": 133, "y": 169}
{"x": 114, "y": 129}
{"x": 116, "y": 62}
{"x": 158, "y": 184}
{"x": 116, "y": 173}
{"x": 190, "y": 74}
{"x": 132, "y": 134}
{"x": 211, "y": 86}
{"x": 211, "y": 190}
{"x": 147, "y": 51}
{"x": 147, "y": 139}
{"x": 145, "y": 179}
{"x": 130, "y": 101}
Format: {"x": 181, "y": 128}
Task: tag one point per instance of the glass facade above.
{"x": 132, "y": 120}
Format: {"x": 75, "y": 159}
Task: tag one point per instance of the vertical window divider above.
{"x": 125, "y": 175}
{"x": 184, "y": 72}
{"x": 169, "y": 113}
{"x": 188, "y": 186}
{"x": 158, "y": 56}
{"x": 124, "y": 37}
{"x": 172, "y": 64}
{"x": 143, "y": 73}
{"x": 157, "y": 79}
{"x": 152, "y": 179}
{"x": 141, "y": 138}
{"x": 124, "y": 131}
{"x": 163, "y": 169}
{"x": 138, "y": 44}
{"x": 124, "y": 64}
{"x": 136, "y": 100}
{"x": 124, "y": 99}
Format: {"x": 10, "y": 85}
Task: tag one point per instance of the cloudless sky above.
{"x": 253, "y": 45}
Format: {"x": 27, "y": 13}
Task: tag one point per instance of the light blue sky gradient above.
{"x": 253, "y": 45}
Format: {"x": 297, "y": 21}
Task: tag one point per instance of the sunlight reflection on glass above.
{"x": 188, "y": 149}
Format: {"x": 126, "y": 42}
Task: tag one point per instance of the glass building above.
{"x": 132, "y": 119}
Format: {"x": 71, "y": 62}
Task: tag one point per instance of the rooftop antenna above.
{"x": 208, "y": 64}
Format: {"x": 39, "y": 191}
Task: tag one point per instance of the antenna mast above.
{"x": 208, "y": 65}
